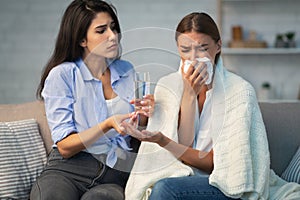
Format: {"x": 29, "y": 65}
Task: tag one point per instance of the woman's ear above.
{"x": 219, "y": 44}
{"x": 83, "y": 43}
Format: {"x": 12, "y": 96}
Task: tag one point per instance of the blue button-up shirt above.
{"x": 74, "y": 100}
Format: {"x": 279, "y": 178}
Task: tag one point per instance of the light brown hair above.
{"x": 199, "y": 23}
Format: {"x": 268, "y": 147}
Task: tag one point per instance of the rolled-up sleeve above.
{"x": 59, "y": 100}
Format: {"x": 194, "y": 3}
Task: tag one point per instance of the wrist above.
{"x": 188, "y": 100}
{"x": 163, "y": 141}
{"x": 189, "y": 94}
{"x": 105, "y": 125}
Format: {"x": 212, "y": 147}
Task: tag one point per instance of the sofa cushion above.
{"x": 29, "y": 110}
{"x": 292, "y": 172}
{"x": 22, "y": 158}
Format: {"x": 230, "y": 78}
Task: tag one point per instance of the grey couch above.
{"x": 282, "y": 121}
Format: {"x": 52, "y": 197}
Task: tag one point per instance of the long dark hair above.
{"x": 73, "y": 29}
{"x": 200, "y": 23}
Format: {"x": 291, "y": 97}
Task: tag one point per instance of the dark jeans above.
{"x": 187, "y": 188}
{"x": 79, "y": 177}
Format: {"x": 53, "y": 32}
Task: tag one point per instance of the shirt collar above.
{"x": 86, "y": 74}
{"x": 115, "y": 69}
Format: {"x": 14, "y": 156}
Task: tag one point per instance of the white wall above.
{"x": 28, "y": 29}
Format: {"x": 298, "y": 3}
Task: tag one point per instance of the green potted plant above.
{"x": 290, "y": 39}
{"x": 265, "y": 92}
{"x": 280, "y": 43}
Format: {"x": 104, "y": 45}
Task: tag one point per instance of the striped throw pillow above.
{"x": 292, "y": 172}
{"x": 22, "y": 158}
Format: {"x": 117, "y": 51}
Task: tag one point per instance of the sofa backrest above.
{"x": 35, "y": 110}
{"x": 282, "y": 122}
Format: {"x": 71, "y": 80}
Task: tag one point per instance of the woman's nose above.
{"x": 193, "y": 55}
{"x": 111, "y": 34}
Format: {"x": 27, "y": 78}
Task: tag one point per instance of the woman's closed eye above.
{"x": 101, "y": 31}
{"x": 104, "y": 28}
{"x": 185, "y": 50}
{"x": 202, "y": 49}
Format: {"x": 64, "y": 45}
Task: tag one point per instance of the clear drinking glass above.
{"x": 142, "y": 88}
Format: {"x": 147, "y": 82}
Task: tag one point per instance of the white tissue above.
{"x": 208, "y": 63}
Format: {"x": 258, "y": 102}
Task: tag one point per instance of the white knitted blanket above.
{"x": 241, "y": 155}
{"x": 153, "y": 162}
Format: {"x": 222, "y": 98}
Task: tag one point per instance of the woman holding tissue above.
{"x": 88, "y": 92}
{"x": 212, "y": 143}
{"x": 199, "y": 46}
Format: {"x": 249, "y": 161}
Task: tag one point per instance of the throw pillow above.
{"x": 22, "y": 158}
{"x": 292, "y": 172}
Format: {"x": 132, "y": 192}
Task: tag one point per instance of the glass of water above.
{"x": 142, "y": 88}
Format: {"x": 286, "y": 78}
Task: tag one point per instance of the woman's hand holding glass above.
{"x": 142, "y": 97}
{"x": 143, "y": 101}
{"x": 144, "y": 106}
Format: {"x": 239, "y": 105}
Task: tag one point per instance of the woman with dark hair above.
{"x": 88, "y": 92}
{"x": 206, "y": 138}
